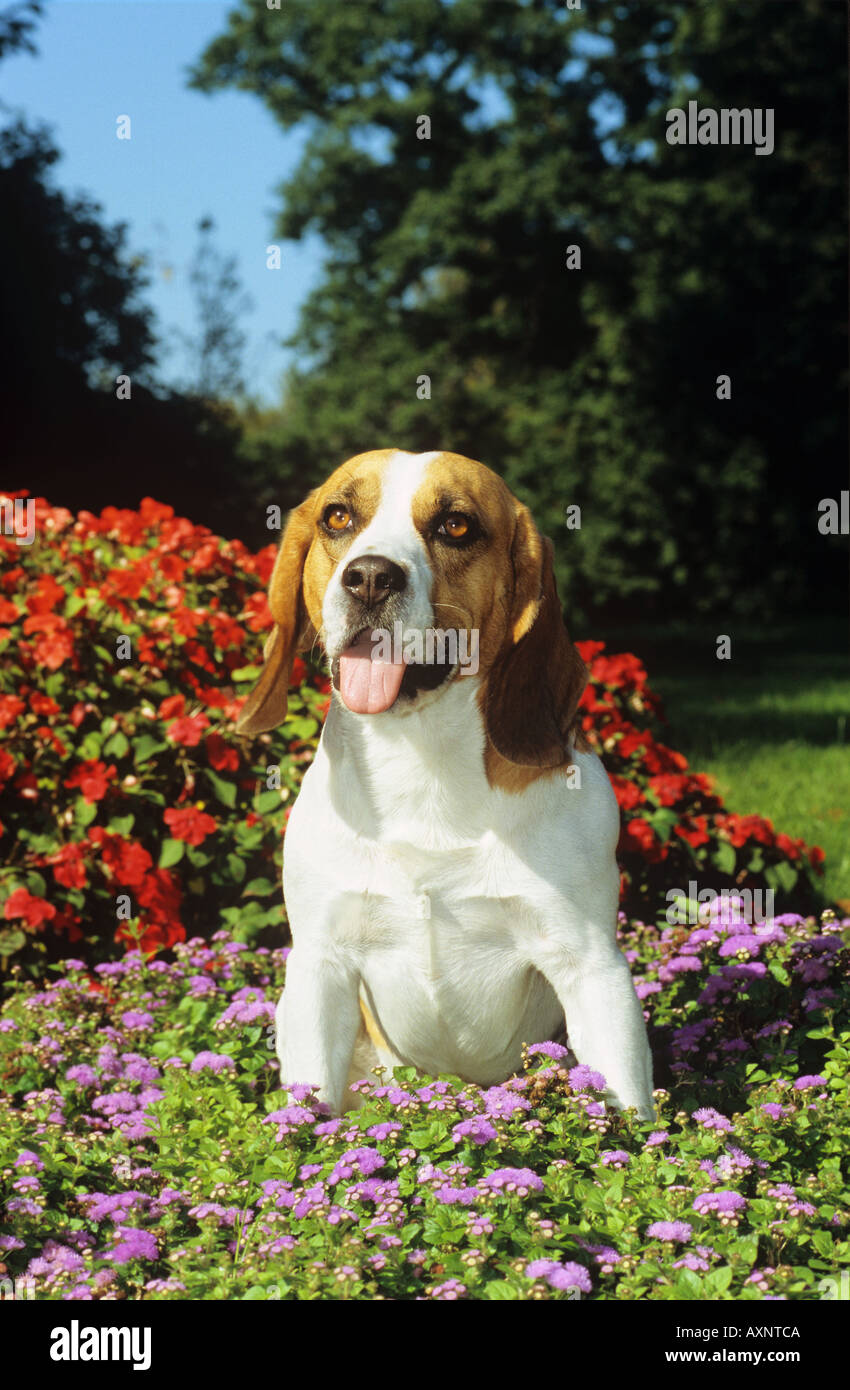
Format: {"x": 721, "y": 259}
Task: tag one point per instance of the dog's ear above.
{"x": 534, "y": 686}
{"x": 265, "y": 707}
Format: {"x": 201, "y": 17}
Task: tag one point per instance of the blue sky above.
{"x": 190, "y": 155}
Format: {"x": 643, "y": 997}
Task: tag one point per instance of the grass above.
{"x": 772, "y": 724}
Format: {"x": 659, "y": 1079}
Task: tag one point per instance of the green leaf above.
{"x": 121, "y": 825}
{"x": 117, "y": 746}
{"x": 145, "y": 747}
{"x": 236, "y": 866}
{"x": 11, "y": 940}
{"x": 259, "y": 887}
{"x": 724, "y": 858}
{"x": 499, "y": 1289}
{"x": 171, "y": 853}
{"x": 224, "y": 790}
{"x": 688, "y": 1285}
{"x": 718, "y": 1280}
{"x": 84, "y": 811}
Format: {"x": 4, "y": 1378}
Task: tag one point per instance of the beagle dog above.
{"x": 449, "y": 863}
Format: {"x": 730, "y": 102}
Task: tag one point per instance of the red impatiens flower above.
{"x": 695, "y": 832}
{"x": 34, "y": 911}
{"x": 172, "y": 707}
{"x": 44, "y": 598}
{"x": 7, "y": 765}
{"x": 188, "y": 730}
{"x": 628, "y": 793}
{"x": 56, "y": 646}
{"x": 42, "y": 704}
{"x": 638, "y": 836}
{"x": 222, "y": 757}
{"x": 190, "y": 824}
{"x": 669, "y": 787}
{"x": 10, "y": 708}
{"x": 124, "y": 860}
{"x": 80, "y": 710}
{"x": 93, "y": 779}
{"x": 69, "y": 866}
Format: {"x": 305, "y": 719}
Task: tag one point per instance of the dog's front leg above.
{"x": 317, "y": 1022}
{"x": 605, "y": 1023}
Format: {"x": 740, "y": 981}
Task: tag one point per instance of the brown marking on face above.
{"x": 356, "y": 484}
{"x": 502, "y": 583}
{"x": 473, "y": 584}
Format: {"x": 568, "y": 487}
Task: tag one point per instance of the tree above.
{"x": 448, "y": 259}
{"x": 220, "y": 343}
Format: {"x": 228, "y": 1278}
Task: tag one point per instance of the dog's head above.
{"x": 395, "y": 546}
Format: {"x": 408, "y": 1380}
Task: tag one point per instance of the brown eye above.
{"x": 337, "y": 518}
{"x": 456, "y": 526}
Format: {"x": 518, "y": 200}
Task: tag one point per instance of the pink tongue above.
{"x": 367, "y": 685}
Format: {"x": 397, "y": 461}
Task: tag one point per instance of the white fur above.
{"x": 469, "y": 919}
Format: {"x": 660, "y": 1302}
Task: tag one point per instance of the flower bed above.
{"x": 132, "y": 815}
{"x": 145, "y": 1152}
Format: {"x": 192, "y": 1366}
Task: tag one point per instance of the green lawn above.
{"x": 772, "y": 724}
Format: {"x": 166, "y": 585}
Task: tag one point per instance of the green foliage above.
{"x": 594, "y": 386}
{"x": 141, "y": 1114}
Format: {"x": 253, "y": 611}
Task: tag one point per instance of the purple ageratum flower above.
{"x": 725, "y": 1203}
{"x": 327, "y": 1128}
{"x": 137, "y": 1020}
{"x": 712, "y": 1119}
{"x": 362, "y": 1161}
{"x": 452, "y": 1289}
{"x": 500, "y": 1103}
{"x": 518, "y": 1180}
{"x": 478, "y": 1129}
{"x": 547, "y": 1049}
{"x": 132, "y": 1244}
{"x": 102, "y": 1206}
{"x": 583, "y": 1078}
{"x": 27, "y": 1159}
{"x": 671, "y": 1230}
{"x": 697, "y": 1263}
{"x": 658, "y": 1136}
{"x": 559, "y": 1275}
{"x": 615, "y": 1158}
{"x": 115, "y": 1102}
{"x": 448, "y": 1195}
{"x": 82, "y": 1075}
{"x": 643, "y": 988}
{"x": 680, "y": 965}
{"x": 200, "y": 985}
{"x": 773, "y": 1109}
{"x": 138, "y": 1068}
{"x": 805, "y": 1083}
{"x": 212, "y": 1061}
{"x": 298, "y": 1091}
{"x": 246, "y": 1011}
{"x": 289, "y": 1119}
{"x": 383, "y": 1130}
{"x": 733, "y": 944}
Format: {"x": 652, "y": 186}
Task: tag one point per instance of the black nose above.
{"x": 372, "y": 578}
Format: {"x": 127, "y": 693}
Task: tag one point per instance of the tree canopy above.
{"x": 448, "y": 258}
